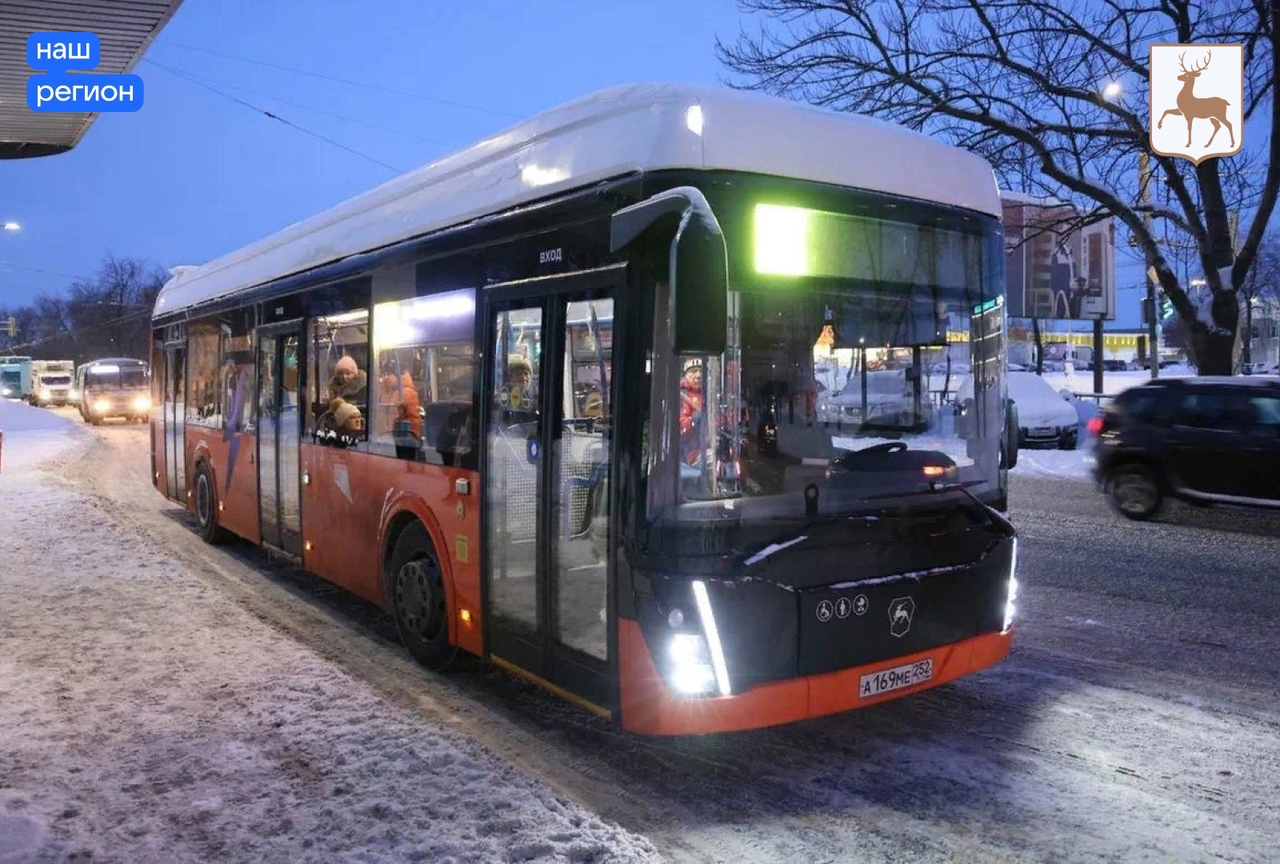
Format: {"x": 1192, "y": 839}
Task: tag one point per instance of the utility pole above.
{"x": 1153, "y": 343}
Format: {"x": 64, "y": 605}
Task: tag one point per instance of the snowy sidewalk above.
{"x": 146, "y": 716}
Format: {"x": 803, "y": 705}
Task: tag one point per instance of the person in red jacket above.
{"x": 692, "y": 419}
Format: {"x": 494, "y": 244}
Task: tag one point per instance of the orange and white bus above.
{"x": 553, "y": 401}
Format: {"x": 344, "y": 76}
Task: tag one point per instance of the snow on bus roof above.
{"x": 606, "y": 134}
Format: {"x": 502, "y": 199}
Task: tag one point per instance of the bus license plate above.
{"x": 888, "y": 680}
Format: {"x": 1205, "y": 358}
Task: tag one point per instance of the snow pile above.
{"x": 32, "y": 435}
{"x": 146, "y": 715}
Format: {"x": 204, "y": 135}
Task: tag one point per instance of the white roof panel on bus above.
{"x": 624, "y": 129}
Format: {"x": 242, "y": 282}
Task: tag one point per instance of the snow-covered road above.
{"x": 162, "y": 700}
{"x": 146, "y": 715}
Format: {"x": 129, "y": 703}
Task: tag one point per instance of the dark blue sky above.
{"x": 194, "y": 174}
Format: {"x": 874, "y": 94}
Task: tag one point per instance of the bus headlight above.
{"x": 45, "y": 394}
{"x": 142, "y": 403}
{"x": 102, "y": 406}
{"x": 694, "y": 662}
{"x": 1012, "y": 594}
{"x": 691, "y": 669}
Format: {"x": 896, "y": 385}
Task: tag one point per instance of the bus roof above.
{"x": 610, "y": 133}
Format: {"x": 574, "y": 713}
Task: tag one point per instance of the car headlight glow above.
{"x": 101, "y": 405}
{"x": 142, "y": 403}
{"x": 1009, "y": 608}
{"x": 46, "y": 394}
{"x": 6, "y": 392}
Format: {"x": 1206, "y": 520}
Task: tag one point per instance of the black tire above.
{"x": 1134, "y": 492}
{"x": 206, "y": 499}
{"x": 416, "y": 597}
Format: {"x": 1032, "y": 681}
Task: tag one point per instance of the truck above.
{"x": 15, "y": 377}
{"x": 51, "y": 382}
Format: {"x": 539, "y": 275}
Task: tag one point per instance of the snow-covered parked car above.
{"x": 1045, "y": 417}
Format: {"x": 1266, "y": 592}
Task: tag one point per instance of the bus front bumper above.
{"x": 650, "y": 707}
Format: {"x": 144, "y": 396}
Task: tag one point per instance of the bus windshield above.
{"x": 112, "y": 377}
{"x": 865, "y": 368}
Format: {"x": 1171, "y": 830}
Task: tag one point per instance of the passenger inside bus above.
{"x": 348, "y": 386}
{"x": 349, "y": 381}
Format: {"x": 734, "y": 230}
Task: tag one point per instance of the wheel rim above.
{"x": 419, "y": 600}
{"x": 1134, "y": 493}
{"x": 204, "y": 507}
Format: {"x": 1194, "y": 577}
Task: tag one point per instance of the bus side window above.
{"x": 422, "y": 393}
{"x": 340, "y": 389}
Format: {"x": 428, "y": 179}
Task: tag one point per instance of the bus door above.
{"x": 548, "y": 395}
{"x": 175, "y": 419}
{"x": 279, "y": 436}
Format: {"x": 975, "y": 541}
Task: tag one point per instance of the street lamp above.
{"x": 12, "y": 226}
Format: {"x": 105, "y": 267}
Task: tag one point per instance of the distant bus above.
{"x": 114, "y": 388}
{"x": 15, "y": 377}
{"x": 550, "y": 401}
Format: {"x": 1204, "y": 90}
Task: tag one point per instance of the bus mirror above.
{"x": 699, "y": 287}
{"x": 698, "y": 268}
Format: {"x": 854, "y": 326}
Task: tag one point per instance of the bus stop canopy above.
{"x": 125, "y": 28}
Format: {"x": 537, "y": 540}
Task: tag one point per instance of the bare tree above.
{"x": 1024, "y": 83}
{"x": 1262, "y": 284}
{"x": 107, "y": 315}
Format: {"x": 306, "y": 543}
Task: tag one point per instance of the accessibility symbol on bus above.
{"x": 843, "y": 607}
{"x": 825, "y": 610}
{"x": 860, "y": 605}
{"x": 901, "y": 610}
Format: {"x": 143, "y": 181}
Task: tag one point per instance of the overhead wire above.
{"x": 336, "y": 79}
{"x": 215, "y": 82}
{"x": 272, "y": 115}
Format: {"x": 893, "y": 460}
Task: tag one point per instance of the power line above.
{"x": 76, "y": 332}
{"x": 336, "y": 79}
{"x": 212, "y": 82}
{"x": 273, "y": 116}
{"x": 10, "y": 267}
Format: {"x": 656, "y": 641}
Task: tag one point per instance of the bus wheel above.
{"x": 207, "y": 507}
{"x": 416, "y": 589}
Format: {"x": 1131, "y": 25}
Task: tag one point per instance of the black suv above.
{"x": 1200, "y": 440}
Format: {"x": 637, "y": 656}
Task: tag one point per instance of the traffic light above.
{"x": 1165, "y": 305}
{"x": 11, "y": 326}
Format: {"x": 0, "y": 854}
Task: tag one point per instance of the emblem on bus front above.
{"x": 901, "y": 610}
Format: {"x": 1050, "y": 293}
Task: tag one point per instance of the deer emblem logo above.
{"x": 901, "y": 611}
{"x": 1177, "y": 72}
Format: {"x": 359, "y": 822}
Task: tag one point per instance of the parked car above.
{"x": 1206, "y": 441}
{"x": 1045, "y": 417}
